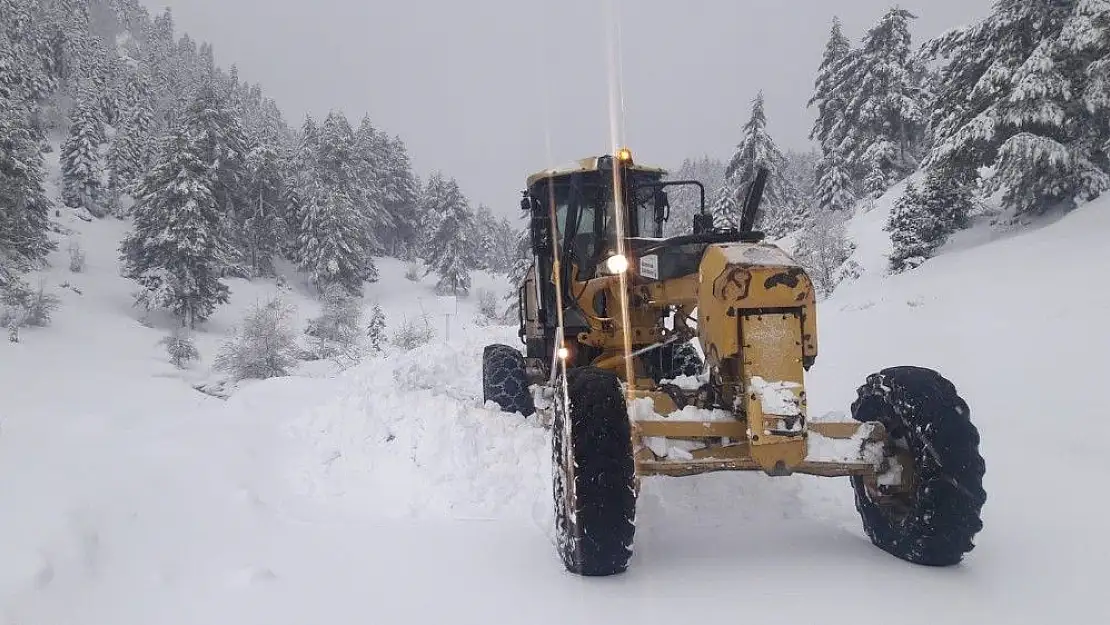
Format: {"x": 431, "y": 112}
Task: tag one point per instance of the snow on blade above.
{"x": 777, "y": 398}
{"x": 855, "y": 449}
{"x": 754, "y": 254}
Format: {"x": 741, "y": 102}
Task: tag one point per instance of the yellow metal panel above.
{"x": 840, "y": 430}
{"x": 772, "y": 350}
{"x": 693, "y": 429}
{"x": 679, "y": 292}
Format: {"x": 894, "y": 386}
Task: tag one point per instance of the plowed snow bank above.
{"x": 407, "y": 436}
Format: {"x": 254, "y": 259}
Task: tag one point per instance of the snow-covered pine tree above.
{"x": 189, "y": 76}
{"x": 877, "y": 181}
{"x": 180, "y": 348}
{"x": 334, "y": 240}
{"x": 375, "y": 330}
{"x": 25, "y": 79}
{"x": 301, "y": 180}
{"x": 217, "y": 131}
{"x": 923, "y": 218}
{"x": 264, "y": 346}
{"x": 132, "y": 150}
{"x": 518, "y": 271}
{"x": 449, "y": 248}
{"x": 24, "y": 206}
{"x": 264, "y": 208}
{"x": 270, "y": 183}
{"x": 402, "y": 193}
{"x": 834, "y": 186}
{"x": 757, "y": 149}
{"x": 80, "y": 158}
{"x": 979, "y": 61}
{"x": 27, "y": 69}
{"x": 1086, "y": 38}
{"x": 882, "y": 123}
{"x": 109, "y": 83}
{"x": 483, "y": 231}
{"x": 370, "y": 155}
{"x": 1013, "y": 96}
{"x": 160, "y": 57}
{"x": 801, "y": 176}
{"x": 828, "y": 97}
{"x": 1054, "y": 153}
{"x": 176, "y": 249}
{"x": 823, "y": 248}
{"x": 67, "y": 26}
{"x": 337, "y": 331}
{"x": 504, "y": 252}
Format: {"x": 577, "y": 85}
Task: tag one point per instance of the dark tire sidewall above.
{"x": 598, "y": 539}
{"x": 924, "y": 409}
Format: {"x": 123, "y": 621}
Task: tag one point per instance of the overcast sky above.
{"x": 474, "y": 86}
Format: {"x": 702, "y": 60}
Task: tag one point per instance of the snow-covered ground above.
{"x": 389, "y": 494}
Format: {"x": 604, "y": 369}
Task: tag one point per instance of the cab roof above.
{"x": 591, "y": 163}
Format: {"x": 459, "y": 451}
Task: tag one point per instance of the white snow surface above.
{"x": 777, "y": 398}
{"x": 389, "y": 494}
{"x": 855, "y": 449}
{"x": 758, "y": 254}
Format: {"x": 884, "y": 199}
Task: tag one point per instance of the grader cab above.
{"x": 653, "y": 356}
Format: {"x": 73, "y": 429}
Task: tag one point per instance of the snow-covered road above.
{"x": 390, "y": 495}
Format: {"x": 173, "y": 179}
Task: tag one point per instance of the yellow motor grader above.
{"x": 612, "y": 315}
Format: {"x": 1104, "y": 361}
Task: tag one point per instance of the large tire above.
{"x": 505, "y": 381}
{"x": 593, "y": 474}
{"x": 674, "y": 360}
{"x": 934, "y": 517}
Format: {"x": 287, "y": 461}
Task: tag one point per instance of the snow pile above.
{"x": 689, "y": 382}
{"x": 854, "y": 449}
{"x": 777, "y": 398}
{"x": 409, "y": 434}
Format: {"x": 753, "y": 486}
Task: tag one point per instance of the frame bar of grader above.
{"x": 737, "y": 456}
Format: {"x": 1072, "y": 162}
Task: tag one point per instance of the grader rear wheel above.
{"x": 593, "y": 474}
{"x": 932, "y": 514}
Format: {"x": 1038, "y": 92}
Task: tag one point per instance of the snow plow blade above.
{"x": 833, "y": 449}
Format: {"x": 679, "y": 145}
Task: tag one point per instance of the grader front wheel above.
{"x": 593, "y": 474}
{"x": 929, "y": 513}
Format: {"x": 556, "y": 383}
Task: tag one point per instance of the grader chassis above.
{"x": 609, "y": 312}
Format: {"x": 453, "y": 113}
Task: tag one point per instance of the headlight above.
{"x": 616, "y": 264}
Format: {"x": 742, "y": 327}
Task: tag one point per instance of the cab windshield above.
{"x": 585, "y": 218}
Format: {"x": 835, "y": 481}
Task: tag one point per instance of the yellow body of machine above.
{"x": 608, "y": 296}
{"x": 756, "y": 323}
{"x": 751, "y": 308}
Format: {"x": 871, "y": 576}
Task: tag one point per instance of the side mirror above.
{"x": 527, "y": 202}
{"x": 540, "y": 227}
{"x": 541, "y": 234}
{"x": 662, "y": 206}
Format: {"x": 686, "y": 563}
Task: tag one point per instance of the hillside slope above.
{"x": 390, "y": 494}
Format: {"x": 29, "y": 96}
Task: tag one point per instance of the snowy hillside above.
{"x": 131, "y": 498}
